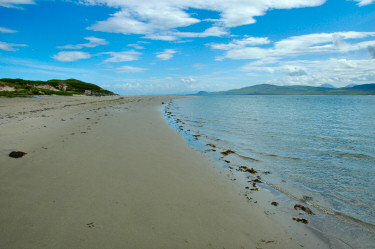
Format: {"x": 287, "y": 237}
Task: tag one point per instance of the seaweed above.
{"x": 304, "y": 221}
{"x": 227, "y": 152}
{"x": 303, "y": 208}
{"x": 17, "y": 154}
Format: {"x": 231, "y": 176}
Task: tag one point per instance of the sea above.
{"x": 316, "y": 151}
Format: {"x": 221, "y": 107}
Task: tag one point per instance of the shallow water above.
{"x": 317, "y": 147}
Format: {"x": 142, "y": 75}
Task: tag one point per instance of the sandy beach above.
{"x": 110, "y": 173}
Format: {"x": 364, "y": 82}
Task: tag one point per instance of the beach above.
{"x": 109, "y": 172}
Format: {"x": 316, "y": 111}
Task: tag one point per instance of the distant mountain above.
{"x": 327, "y": 86}
{"x": 351, "y": 85}
{"x": 20, "y": 87}
{"x": 202, "y": 93}
{"x": 266, "y": 89}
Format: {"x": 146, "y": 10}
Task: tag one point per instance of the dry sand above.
{"x": 110, "y": 173}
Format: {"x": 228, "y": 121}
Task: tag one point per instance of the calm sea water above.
{"x": 322, "y": 147}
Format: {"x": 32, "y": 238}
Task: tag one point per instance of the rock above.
{"x": 17, "y": 154}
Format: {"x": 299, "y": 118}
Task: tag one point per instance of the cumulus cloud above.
{"x": 130, "y": 69}
{"x": 371, "y": 50}
{"x": 158, "y": 18}
{"x": 15, "y": 3}
{"x": 93, "y": 42}
{"x": 10, "y": 46}
{"x": 122, "y": 56}
{"x": 5, "y": 30}
{"x": 71, "y": 56}
{"x": 161, "y": 19}
{"x": 295, "y": 70}
{"x": 316, "y": 72}
{"x": 319, "y": 43}
{"x": 167, "y": 54}
{"x": 364, "y": 2}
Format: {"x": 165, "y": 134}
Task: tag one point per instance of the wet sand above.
{"x": 110, "y": 173}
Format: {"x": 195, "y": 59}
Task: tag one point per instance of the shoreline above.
{"x": 110, "y": 173}
{"x": 336, "y": 229}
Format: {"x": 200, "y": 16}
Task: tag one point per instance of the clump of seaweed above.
{"x": 196, "y": 136}
{"x": 246, "y": 169}
{"x": 303, "y": 208}
{"x": 304, "y": 221}
{"x": 227, "y": 152}
{"x": 17, "y": 154}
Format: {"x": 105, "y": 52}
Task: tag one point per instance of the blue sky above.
{"x": 184, "y": 46}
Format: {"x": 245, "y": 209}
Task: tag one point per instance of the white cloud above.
{"x": 123, "y": 56}
{"x": 128, "y": 86}
{"x": 167, "y": 54}
{"x": 294, "y": 70}
{"x": 71, "y": 56}
{"x": 339, "y": 72}
{"x": 175, "y": 35}
{"x": 5, "y": 30}
{"x": 320, "y": 43}
{"x": 239, "y": 44}
{"x": 130, "y": 69}
{"x": 364, "y": 2}
{"x": 10, "y": 46}
{"x": 93, "y": 42}
{"x": 160, "y": 19}
{"x": 213, "y": 31}
{"x": 136, "y": 46}
{"x": 161, "y": 37}
{"x": 14, "y": 3}
{"x": 188, "y": 80}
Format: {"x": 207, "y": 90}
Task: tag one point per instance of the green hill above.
{"x": 266, "y": 89}
{"x": 69, "y": 87}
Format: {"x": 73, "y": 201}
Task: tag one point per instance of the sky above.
{"x": 186, "y": 46}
